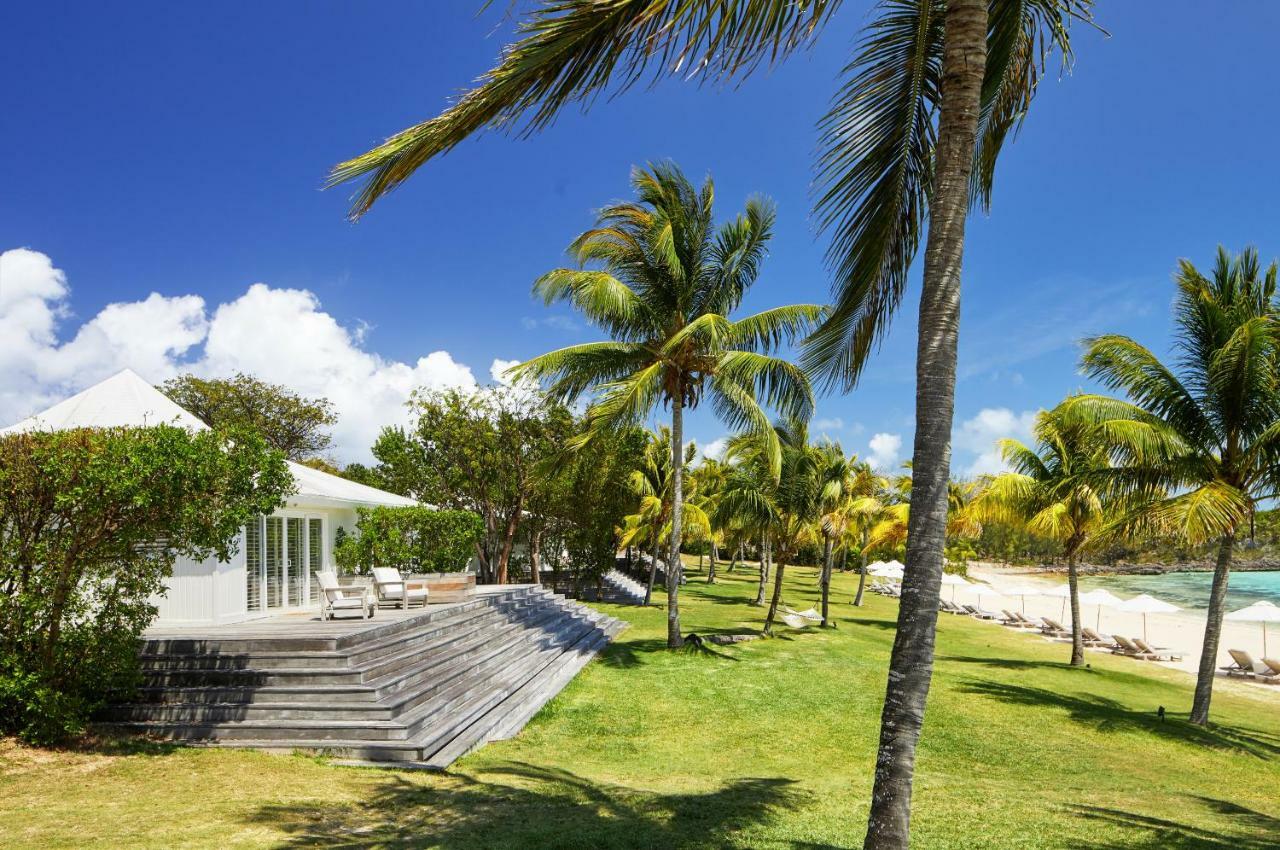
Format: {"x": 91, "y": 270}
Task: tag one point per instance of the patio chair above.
{"x": 391, "y": 588}
{"x": 1124, "y": 646}
{"x": 1027, "y": 623}
{"x": 1096, "y": 639}
{"x": 335, "y": 599}
{"x": 1161, "y": 653}
{"x": 1053, "y": 628}
{"x": 1243, "y": 663}
{"x": 980, "y": 613}
{"x": 950, "y": 607}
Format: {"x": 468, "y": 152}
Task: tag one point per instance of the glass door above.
{"x": 295, "y": 564}
{"x": 274, "y": 562}
{"x": 315, "y": 554}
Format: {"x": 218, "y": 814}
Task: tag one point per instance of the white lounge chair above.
{"x": 392, "y": 588}
{"x": 335, "y": 599}
{"x": 1243, "y": 663}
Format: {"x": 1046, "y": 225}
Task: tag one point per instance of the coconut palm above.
{"x": 788, "y": 507}
{"x": 909, "y": 144}
{"x": 847, "y": 485}
{"x": 1053, "y": 490}
{"x": 709, "y": 478}
{"x": 663, "y": 282}
{"x": 652, "y": 482}
{"x": 1206, "y": 430}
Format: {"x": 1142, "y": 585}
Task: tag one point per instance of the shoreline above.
{"x": 1182, "y": 630}
{"x": 1004, "y": 568}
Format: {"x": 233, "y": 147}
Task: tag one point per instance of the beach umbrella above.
{"x": 1061, "y": 591}
{"x": 889, "y": 571}
{"x": 1100, "y": 597}
{"x": 1145, "y": 604}
{"x": 1259, "y": 612}
{"x": 955, "y": 581}
{"x": 1022, "y": 591}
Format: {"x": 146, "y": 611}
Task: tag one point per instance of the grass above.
{"x": 765, "y": 744}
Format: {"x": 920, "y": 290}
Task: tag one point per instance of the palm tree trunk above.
{"x": 711, "y": 569}
{"x": 777, "y": 596}
{"x": 764, "y": 572}
{"x": 1073, "y": 588}
{"x": 653, "y": 570}
{"x": 535, "y": 556}
{"x": 964, "y": 60}
{"x": 862, "y": 573}
{"x": 1213, "y": 631}
{"x": 674, "y": 638}
{"x": 826, "y": 579}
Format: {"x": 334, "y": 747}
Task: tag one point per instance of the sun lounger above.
{"x": 950, "y": 607}
{"x": 1053, "y": 628}
{"x": 1243, "y": 663}
{"x": 1161, "y": 653}
{"x": 1027, "y": 623}
{"x": 1272, "y": 673}
{"x": 1124, "y": 646}
{"x": 1096, "y": 639}
{"x": 1013, "y": 620}
{"x": 980, "y": 613}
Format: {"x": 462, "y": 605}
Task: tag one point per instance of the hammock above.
{"x": 799, "y": 619}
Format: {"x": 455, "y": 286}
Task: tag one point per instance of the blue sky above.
{"x": 179, "y": 149}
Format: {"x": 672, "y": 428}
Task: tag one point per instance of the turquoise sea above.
{"x": 1191, "y": 590}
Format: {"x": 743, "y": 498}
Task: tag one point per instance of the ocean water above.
{"x": 1191, "y": 590}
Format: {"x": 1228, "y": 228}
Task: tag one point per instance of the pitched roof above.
{"x": 123, "y": 400}
{"x": 126, "y": 400}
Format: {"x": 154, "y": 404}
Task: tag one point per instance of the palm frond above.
{"x": 570, "y": 51}
{"x": 769, "y": 330}
{"x": 874, "y": 179}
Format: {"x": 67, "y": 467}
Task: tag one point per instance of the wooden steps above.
{"x": 425, "y": 689}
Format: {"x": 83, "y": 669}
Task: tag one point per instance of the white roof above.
{"x": 123, "y": 400}
{"x": 126, "y": 400}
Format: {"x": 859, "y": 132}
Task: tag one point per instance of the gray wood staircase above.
{"x": 426, "y": 689}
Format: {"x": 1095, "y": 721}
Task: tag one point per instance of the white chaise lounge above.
{"x": 335, "y": 599}
{"x": 392, "y": 588}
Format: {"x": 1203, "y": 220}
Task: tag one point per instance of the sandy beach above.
{"x": 1182, "y": 631}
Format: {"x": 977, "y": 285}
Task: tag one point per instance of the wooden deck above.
{"x": 307, "y": 623}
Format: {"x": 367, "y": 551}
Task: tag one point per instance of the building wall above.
{"x": 210, "y": 592}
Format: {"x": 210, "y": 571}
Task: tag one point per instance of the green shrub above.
{"x": 91, "y": 521}
{"x": 414, "y": 539}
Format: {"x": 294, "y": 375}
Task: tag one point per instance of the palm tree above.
{"x": 787, "y": 507}
{"x": 848, "y": 492}
{"x": 652, "y": 482}
{"x": 1053, "y": 491}
{"x": 709, "y": 477}
{"x": 666, "y": 282}
{"x": 1205, "y": 431}
{"x": 912, "y": 138}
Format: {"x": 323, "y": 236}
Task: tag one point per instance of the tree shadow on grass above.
{"x": 521, "y": 805}
{"x": 1108, "y": 715}
{"x": 105, "y": 741}
{"x": 1008, "y": 663}
{"x": 887, "y": 625}
{"x": 1251, "y": 829}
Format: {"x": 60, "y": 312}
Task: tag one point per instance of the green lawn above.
{"x": 767, "y": 744}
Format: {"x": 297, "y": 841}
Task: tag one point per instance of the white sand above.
{"x": 1182, "y": 631}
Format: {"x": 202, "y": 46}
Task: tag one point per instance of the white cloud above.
{"x": 884, "y": 451}
{"x": 714, "y": 449}
{"x": 279, "y": 335}
{"x": 979, "y": 434}
{"x": 831, "y": 423}
{"x": 498, "y": 370}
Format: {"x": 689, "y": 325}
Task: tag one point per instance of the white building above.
{"x": 271, "y": 571}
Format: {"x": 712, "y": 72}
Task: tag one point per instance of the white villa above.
{"x": 271, "y": 571}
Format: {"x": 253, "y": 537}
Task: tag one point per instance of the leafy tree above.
{"x": 421, "y": 539}
{"x": 1205, "y": 431}
{"x": 709, "y": 480}
{"x": 294, "y": 424}
{"x": 668, "y": 279}
{"x": 912, "y": 137}
{"x": 477, "y": 451}
{"x": 849, "y": 488}
{"x": 91, "y": 521}
{"x": 1053, "y": 489}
